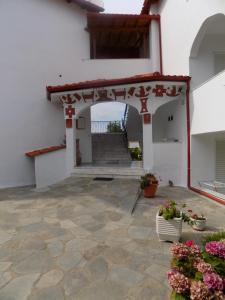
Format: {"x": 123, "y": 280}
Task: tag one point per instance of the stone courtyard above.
{"x": 78, "y": 241}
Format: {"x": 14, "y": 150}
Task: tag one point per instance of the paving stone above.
{"x": 98, "y": 269}
{"x": 5, "y": 237}
{"x": 75, "y": 281}
{"x": 69, "y": 260}
{"x": 5, "y": 265}
{"x": 80, "y": 245}
{"x": 52, "y": 278}
{"x": 125, "y": 276}
{"x": 19, "y": 288}
{"x": 139, "y": 232}
{"x": 103, "y": 290}
{"x": 38, "y": 262}
{"x": 117, "y": 255}
{"x": 157, "y": 272}
{"x": 52, "y": 293}
{"x": 5, "y": 278}
{"x": 55, "y": 248}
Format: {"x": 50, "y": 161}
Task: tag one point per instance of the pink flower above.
{"x": 180, "y": 251}
{"x": 199, "y": 291}
{"x": 204, "y": 267}
{"x": 213, "y": 281}
{"x": 189, "y": 243}
{"x": 178, "y": 282}
{"x": 196, "y": 250}
{"x": 219, "y": 295}
{"x": 216, "y": 248}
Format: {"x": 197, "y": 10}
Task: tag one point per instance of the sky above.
{"x": 115, "y": 111}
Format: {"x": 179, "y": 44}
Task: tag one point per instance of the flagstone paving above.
{"x": 78, "y": 241}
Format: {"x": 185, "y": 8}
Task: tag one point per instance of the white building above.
{"x": 166, "y": 64}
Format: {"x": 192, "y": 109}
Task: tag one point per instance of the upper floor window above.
{"x": 118, "y": 36}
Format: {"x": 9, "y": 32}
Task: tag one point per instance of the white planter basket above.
{"x": 168, "y": 230}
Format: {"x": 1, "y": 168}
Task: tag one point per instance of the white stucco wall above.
{"x": 208, "y": 106}
{"x": 202, "y": 159}
{"x": 181, "y": 21}
{"x": 168, "y": 163}
{"x": 50, "y": 168}
{"x": 42, "y": 43}
{"x": 165, "y": 129}
{"x": 203, "y": 66}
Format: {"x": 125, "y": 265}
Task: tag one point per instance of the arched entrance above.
{"x": 145, "y": 93}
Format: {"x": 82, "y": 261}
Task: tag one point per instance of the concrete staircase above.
{"x": 109, "y": 149}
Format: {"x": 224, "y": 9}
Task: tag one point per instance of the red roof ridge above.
{"x": 87, "y": 4}
{"x": 44, "y": 150}
{"x": 147, "y": 5}
{"x": 100, "y": 83}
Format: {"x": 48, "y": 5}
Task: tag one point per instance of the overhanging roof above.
{"x": 90, "y": 5}
{"x": 114, "y": 82}
{"x": 119, "y": 30}
{"x": 147, "y": 5}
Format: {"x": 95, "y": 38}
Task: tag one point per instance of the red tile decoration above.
{"x": 147, "y": 118}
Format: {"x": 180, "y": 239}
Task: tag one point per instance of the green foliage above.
{"x": 169, "y": 211}
{"x": 176, "y": 296}
{"x": 147, "y": 180}
{"x": 217, "y": 236}
{"x": 114, "y": 127}
{"x": 217, "y": 263}
{"x": 136, "y": 153}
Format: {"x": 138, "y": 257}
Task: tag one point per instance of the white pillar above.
{"x": 148, "y": 160}
{"x": 70, "y": 146}
{"x": 155, "y": 46}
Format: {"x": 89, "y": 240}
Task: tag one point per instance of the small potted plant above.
{"x": 169, "y": 222}
{"x": 149, "y": 184}
{"x": 198, "y": 222}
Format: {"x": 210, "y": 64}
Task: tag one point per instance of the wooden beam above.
{"x": 110, "y": 29}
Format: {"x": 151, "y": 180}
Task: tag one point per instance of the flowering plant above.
{"x": 147, "y": 180}
{"x": 195, "y": 216}
{"x": 198, "y": 274}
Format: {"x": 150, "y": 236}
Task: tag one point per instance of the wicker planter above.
{"x": 168, "y": 230}
{"x": 150, "y": 191}
{"x": 198, "y": 225}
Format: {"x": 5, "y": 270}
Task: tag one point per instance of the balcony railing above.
{"x": 106, "y": 126}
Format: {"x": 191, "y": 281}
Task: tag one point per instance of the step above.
{"x": 118, "y": 172}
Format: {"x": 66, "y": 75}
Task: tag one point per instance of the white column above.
{"x": 70, "y": 147}
{"x": 155, "y": 46}
{"x": 148, "y": 160}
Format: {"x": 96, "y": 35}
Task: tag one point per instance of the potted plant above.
{"x": 149, "y": 184}
{"x": 169, "y": 222}
{"x": 198, "y": 222}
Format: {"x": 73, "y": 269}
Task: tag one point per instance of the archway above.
{"x": 105, "y": 130}
{"x": 207, "y": 56}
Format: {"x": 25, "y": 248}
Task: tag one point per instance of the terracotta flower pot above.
{"x": 150, "y": 191}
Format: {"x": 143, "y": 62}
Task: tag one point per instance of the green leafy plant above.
{"x": 136, "y": 153}
{"x": 147, "y": 180}
{"x": 217, "y": 236}
{"x": 114, "y": 127}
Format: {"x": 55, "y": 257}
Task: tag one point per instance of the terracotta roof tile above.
{"x": 100, "y": 83}
{"x": 44, "y": 150}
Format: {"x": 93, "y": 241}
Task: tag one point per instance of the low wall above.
{"x": 50, "y": 168}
